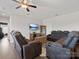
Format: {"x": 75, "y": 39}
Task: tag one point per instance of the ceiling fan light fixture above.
{"x": 24, "y": 6}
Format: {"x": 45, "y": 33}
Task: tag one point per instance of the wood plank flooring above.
{"x": 43, "y": 55}
{"x": 7, "y": 51}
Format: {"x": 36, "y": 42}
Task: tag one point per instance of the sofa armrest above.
{"x": 26, "y": 52}
{"x": 32, "y": 50}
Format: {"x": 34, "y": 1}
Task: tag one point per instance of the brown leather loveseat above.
{"x": 27, "y": 50}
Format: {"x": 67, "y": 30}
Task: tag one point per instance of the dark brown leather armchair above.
{"x": 32, "y": 50}
{"x": 27, "y": 50}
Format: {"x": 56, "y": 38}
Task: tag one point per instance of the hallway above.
{"x": 7, "y": 51}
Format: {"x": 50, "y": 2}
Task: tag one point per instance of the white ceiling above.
{"x": 45, "y": 8}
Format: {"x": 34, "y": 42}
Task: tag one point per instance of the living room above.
{"x": 62, "y": 15}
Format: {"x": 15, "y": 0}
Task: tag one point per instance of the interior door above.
{"x": 43, "y": 29}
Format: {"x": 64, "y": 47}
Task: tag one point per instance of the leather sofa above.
{"x": 26, "y": 49}
{"x": 64, "y": 50}
{"x": 56, "y": 35}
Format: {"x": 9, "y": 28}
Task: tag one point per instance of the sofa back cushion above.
{"x": 58, "y": 34}
{"x": 55, "y": 51}
{"x": 71, "y": 40}
{"x": 21, "y": 40}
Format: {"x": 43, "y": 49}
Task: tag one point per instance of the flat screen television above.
{"x": 33, "y": 26}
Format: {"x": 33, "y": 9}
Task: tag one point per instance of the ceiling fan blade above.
{"x": 27, "y": 9}
{"x": 32, "y": 6}
{"x": 18, "y": 7}
{"x": 16, "y": 1}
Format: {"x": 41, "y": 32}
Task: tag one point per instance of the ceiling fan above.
{"x": 24, "y": 4}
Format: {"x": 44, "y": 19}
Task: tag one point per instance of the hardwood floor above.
{"x": 7, "y": 51}
{"x": 43, "y": 55}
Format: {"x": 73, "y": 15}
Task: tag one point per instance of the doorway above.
{"x": 43, "y": 29}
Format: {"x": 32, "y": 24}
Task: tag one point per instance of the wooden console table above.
{"x": 42, "y": 39}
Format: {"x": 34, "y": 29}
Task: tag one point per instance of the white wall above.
{"x": 5, "y": 29}
{"x": 4, "y": 19}
{"x": 64, "y": 22}
{"x": 21, "y": 23}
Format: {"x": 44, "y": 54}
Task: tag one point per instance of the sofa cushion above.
{"x": 71, "y": 40}
{"x": 73, "y": 43}
{"x": 56, "y": 35}
{"x": 57, "y": 52}
{"x": 21, "y": 40}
